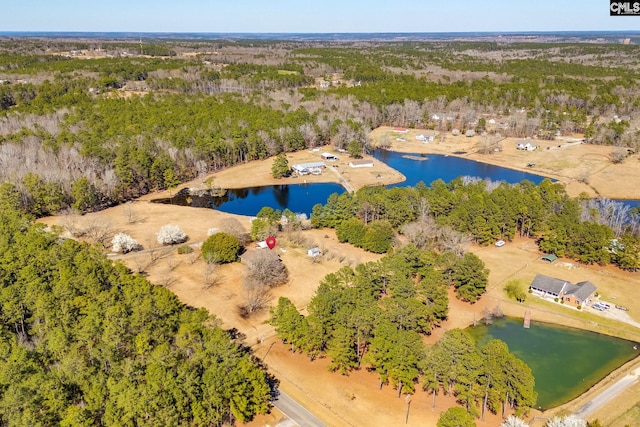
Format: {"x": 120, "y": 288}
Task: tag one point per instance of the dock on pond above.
{"x": 527, "y": 319}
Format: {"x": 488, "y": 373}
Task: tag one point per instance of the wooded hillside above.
{"x": 88, "y": 123}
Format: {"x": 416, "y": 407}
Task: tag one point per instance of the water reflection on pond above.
{"x": 299, "y": 198}
{"x": 565, "y": 362}
{"x": 430, "y": 167}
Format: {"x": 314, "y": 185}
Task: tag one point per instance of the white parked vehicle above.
{"x": 500, "y": 243}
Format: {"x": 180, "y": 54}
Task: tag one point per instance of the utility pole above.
{"x": 408, "y": 400}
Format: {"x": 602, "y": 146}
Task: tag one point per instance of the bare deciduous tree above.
{"x": 452, "y": 240}
{"x": 96, "y": 230}
{"x": 268, "y": 269}
{"x": 211, "y": 275}
{"x": 234, "y": 227}
{"x": 615, "y": 215}
{"x": 257, "y": 297}
{"x": 129, "y": 213}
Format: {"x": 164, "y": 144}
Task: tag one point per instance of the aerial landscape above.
{"x": 324, "y": 214}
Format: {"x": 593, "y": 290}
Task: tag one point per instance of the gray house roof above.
{"x": 582, "y": 290}
{"x": 549, "y": 284}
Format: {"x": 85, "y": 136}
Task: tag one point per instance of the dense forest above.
{"x": 88, "y": 123}
{"x": 444, "y": 215}
{"x": 84, "y": 342}
{"x": 373, "y": 317}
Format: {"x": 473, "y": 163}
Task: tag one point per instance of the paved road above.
{"x": 608, "y": 394}
{"x": 296, "y": 412}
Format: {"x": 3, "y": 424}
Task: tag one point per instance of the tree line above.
{"x": 603, "y": 233}
{"x": 86, "y": 342}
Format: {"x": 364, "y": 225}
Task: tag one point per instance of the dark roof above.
{"x": 549, "y": 284}
{"x": 582, "y": 290}
{"x": 549, "y": 257}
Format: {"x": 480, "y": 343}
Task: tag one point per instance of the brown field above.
{"x": 356, "y": 400}
{"x": 580, "y": 167}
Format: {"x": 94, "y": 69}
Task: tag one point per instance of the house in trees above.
{"x": 572, "y": 295}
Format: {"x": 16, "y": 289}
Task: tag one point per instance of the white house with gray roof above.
{"x": 576, "y": 295}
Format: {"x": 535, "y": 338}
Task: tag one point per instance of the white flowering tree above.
{"x": 123, "y": 243}
{"x": 514, "y": 421}
{"x": 171, "y": 235}
{"x": 568, "y": 421}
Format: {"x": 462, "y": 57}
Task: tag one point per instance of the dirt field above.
{"x": 356, "y": 400}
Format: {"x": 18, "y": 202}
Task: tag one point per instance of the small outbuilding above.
{"x": 400, "y": 130}
{"x": 549, "y": 257}
{"x": 361, "y": 163}
{"x": 313, "y": 252}
{"x": 329, "y": 157}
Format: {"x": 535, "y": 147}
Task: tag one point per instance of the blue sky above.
{"x": 323, "y": 16}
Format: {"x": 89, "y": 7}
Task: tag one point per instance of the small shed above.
{"x": 329, "y": 157}
{"x": 361, "y": 163}
{"x": 400, "y": 130}
{"x": 549, "y": 257}
{"x": 313, "y": 252}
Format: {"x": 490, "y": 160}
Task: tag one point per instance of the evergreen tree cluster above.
{"x": 490, "y": 211}
{"x": 375, "y": 317}
{"x": 84, "y": 342}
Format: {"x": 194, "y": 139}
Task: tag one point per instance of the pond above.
{"x": 565, "y": 362}
{"x": 298, "y": 198}
{"x": 430, "y": 167}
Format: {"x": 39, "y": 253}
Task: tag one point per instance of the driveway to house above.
{"x": 608, "y": 394}
{"x": 615, "y": 313}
